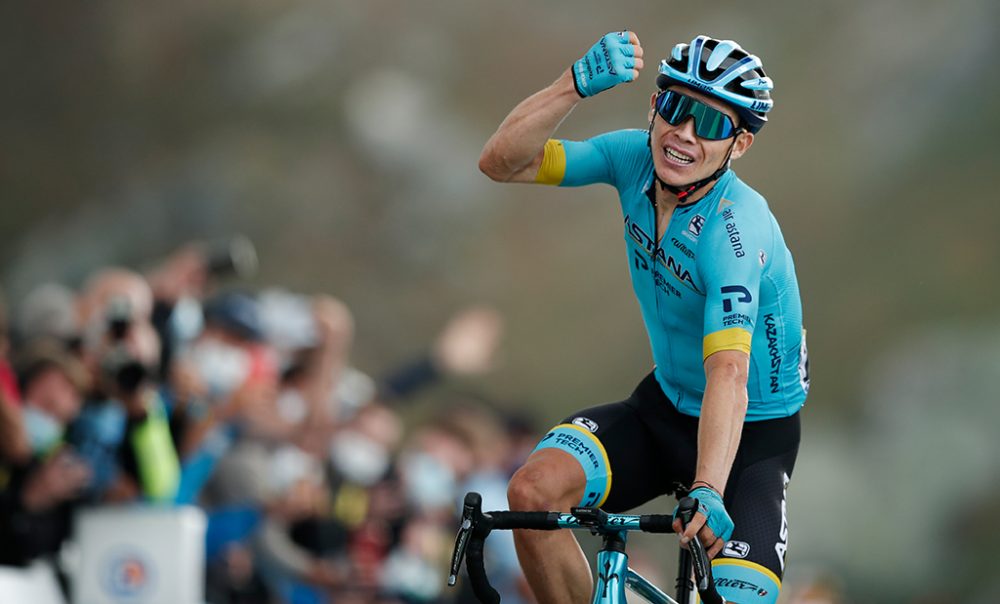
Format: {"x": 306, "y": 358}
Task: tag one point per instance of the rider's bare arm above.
{"x": 723, "y": 410}
{"x": 514, "y": 152}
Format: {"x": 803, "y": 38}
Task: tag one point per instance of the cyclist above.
{"x": 716, "y": 286}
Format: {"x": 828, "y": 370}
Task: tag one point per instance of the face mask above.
{"x": 292, "y": 406}
{"x": 289, "y": 465}
{"x": 44, "y": 432}
{"x": 358, "y": 458}
{"x": 223, "y": 368}
{"x": 429, "y": 483}
{"x": 187, "y": 320}
{"x": 408, "y": 574}
{"x": 354, "y": 390}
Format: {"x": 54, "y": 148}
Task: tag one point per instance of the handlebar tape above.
{"x": 541, "y": 521}
{"x": 656, "y": 523}
{"x": 477, "y": 570}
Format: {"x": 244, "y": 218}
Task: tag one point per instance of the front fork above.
{"x": 612, "y": 568}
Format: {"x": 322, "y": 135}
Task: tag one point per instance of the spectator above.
{"x": 181, "y": 282}
{"x": 491, "y": 447}
{"x": 13, "y": 438}
{"x": 124, "y": 429}
{"x": 39, "y": 494}
{"x": 108, "y": 284}
{"x": 299, "y": 449}
{"x": 315, "y": 362}
{"x": 49, "y": 311}
{"x": 148, "y": 456}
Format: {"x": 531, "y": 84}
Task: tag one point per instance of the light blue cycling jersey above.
{"x": 720, "y": 278}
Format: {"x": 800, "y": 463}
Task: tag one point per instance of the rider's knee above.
{"x": 526, "y": 491}
{"x": 537, "y": 487}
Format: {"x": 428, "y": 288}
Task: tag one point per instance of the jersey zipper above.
{"x": 652, "y": 263}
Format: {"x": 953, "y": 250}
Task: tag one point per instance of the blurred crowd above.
{"x": 169, "y": 386}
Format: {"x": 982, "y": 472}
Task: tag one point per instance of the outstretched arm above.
{"x": 515, "y": 151}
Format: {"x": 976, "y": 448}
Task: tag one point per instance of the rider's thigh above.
{"x": 551, "y": 479}
{"x": 616, "y": 447}
{"x": 751, "y": 565}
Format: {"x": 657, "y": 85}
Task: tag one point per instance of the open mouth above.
{"x": 676, "y": 157}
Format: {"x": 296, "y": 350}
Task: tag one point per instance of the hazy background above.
{"x": 342, "y": 137}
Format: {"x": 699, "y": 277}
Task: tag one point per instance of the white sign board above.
{"x": 140, "y": 555}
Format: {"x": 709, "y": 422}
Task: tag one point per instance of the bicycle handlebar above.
{"x": 477, "y": 525}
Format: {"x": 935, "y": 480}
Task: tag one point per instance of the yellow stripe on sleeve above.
{"x": 553, "y": 167}
{"x": 734, "y": 338}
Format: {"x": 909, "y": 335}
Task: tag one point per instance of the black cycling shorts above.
{"x": 637, "y": 449}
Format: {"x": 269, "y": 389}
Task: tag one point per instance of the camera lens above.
{"x": 130, "y": 376}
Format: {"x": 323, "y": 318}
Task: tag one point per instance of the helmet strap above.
{"x": 684, "y": 191}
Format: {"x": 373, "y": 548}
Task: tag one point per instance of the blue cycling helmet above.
{"x": 722, "y": 69}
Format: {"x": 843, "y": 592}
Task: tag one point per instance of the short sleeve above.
{"x": 569, "y": 163}
{"x": 732, "y": 275}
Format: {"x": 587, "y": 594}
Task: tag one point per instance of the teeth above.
{"x": 678, "y": 156}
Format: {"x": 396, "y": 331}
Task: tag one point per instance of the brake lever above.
{"x": 686, "y": 509}
{"x": 471, "y": 512}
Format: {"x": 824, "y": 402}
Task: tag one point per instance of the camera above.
{"x": 119, "y": 367}
{"x": 236, "y": 256}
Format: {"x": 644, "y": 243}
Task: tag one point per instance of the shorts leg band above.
{"x": 589, "y": 452}
{"x": 745, "y": 582}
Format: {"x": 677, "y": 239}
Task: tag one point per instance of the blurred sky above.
{"x": 342, "y": 137}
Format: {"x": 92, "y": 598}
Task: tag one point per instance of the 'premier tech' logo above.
{"x": 744, "y": 296}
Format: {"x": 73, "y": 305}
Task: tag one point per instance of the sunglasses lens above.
{"x": 709, "y": 123}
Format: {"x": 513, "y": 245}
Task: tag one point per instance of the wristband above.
{"x": 707, "y": 484}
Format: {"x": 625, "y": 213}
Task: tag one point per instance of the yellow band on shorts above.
{"x": 745, "y": 582}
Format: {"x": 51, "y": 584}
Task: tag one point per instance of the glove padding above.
{"x": 710, "y": 504}
{"x": 608, "y": 63}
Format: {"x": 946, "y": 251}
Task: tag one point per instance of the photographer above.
{"x": 124, "y": 429}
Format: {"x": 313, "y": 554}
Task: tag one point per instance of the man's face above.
{"x": 680, "y": 156}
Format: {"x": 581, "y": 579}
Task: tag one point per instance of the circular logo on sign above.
{"x": 127, "y": 574}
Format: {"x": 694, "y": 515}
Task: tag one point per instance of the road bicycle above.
{"x": 613, "y": 573}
